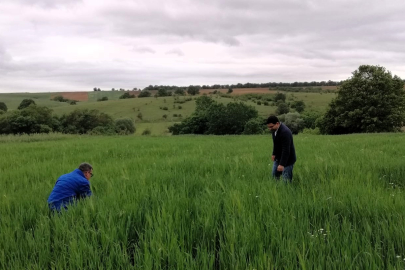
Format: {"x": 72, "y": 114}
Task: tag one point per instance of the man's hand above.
{"x": 280, "y": 168}
{"x": 273, "y": 158}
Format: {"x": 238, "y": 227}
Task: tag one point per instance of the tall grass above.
{"x": 205, "y": 202}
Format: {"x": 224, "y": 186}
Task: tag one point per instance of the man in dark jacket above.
{"x": 71, "y": 187}
{"x": 283, "y": 149}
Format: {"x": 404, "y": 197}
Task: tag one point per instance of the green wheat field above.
{"x": 205, "y": 202}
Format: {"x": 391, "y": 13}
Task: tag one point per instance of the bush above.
{"x": 126, "y": 95}
{"x": 266, "y": 103}
{"x": 230, "y": 90}
{"x": 299, "y": 106}
{"x": 310, "y": 118}
{"x": 103, "y": 99}
{"x": 282, "y": 108}
{"x": 259, "y": 103}
{"x": 255, "y": 126}
{"x": 144, "y": 93}
{"x": 60, "y": 99}
{"x": 164, "y": 116}
{"x": 124, "y": 126}
{"x": 83, "y": 121}
{"x": 72, "y": 102}
{"x": 293, "y": 121}
{"x": 279, "y": 96}
{"x": 211, "y": 117}
{"x": 32, "y": 119}
{"x": 179, "y": 107}
{"x": 25, "y": 103}
{"x": 109, "y": 130}
{"x": 146, "y": 132}
{"x": 3, "y": 107}
{"x": 140, "y": 116}
{"x": 193, "y": 90}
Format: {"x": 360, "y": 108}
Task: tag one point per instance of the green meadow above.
{"x": 204, "y": 202}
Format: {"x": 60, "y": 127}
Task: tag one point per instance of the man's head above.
{"x": 87, "y": 170}
{"x": 273, "y": 123}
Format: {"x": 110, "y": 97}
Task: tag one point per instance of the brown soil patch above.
{"x": 78, "y": 96}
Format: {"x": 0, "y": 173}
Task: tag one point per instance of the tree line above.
{"x": 30, "y": 118}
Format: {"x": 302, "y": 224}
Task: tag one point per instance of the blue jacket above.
{"x": 68, "y": 188}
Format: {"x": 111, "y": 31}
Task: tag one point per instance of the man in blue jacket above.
{"x": 283, "y": 149}
{"x": 71, "y": 187}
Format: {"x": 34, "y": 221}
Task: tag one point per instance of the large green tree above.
{"x": 372, "y": 100}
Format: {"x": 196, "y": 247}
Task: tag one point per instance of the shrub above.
{"x": 254, "y": 126}
{"x": 282, "y": 108}
{"x": 124, "y": 126}
{"x": 279, "y": 96}
{"x": 293, "y": 121}
{"x": 103, "y": 99}
{"x": 266, "y": 103}
{"x": 32, "y": 119}
{"x": 211, "y": 117}
{"x": 164, "y": 116}
{"x": 26, "y": 103}
{"x": 3, "y": 107}
{"x": 140, "y": 116}
{"x": 126, "y": 95}
{"x": 259, "y": 103}
{"x": 230, "y": 90}
{"x": 179, "y": 107}
{"x": 180, "y": 92}
{"x": 299, "y": 106}
{"x": 144, "y": 93}
{"x": 83, "y": 121}
{"x": 146, "y": 132}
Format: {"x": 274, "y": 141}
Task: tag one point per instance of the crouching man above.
{"x": 71, "y": 187}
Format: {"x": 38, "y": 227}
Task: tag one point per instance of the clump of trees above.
{"x": 103, "y": 99}
{"x": 211, "y": 117}
{"x": 126, "y": 95}
{"x": 62, "y": 99}
{"x": 39, "y": 119}
{"x": 25, "y": 103}
{"x": 372, "y": 100}
{"x": 144, "y": 93}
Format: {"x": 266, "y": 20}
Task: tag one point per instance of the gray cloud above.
{"x": 91, "y": 43}
{"x": 177, "y": 52}
{"x": 144, "y": 50}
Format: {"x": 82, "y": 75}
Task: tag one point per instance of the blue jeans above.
{"x": 286, "y": 175}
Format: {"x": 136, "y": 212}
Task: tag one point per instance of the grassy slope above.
{"x": 150, "y": 107}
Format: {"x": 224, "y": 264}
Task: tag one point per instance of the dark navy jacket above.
{"x": 283, "y": 146}
{"x": 68, "y": 188}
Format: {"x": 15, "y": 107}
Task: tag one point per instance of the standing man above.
{"x": 283, "y": 149}
{"x": 71, "y": 187}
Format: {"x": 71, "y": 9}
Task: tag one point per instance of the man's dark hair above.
{"x": 272, "y": 120}
{"x": 85, "y": 167}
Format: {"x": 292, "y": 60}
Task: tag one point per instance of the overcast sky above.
{"x": 75, "y": 45}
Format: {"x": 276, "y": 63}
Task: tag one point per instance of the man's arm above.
{"x": 84, "y": 191}
{"x": 285, "y": 146}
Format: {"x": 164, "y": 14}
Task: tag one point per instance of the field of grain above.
{"x": 204, "y": 202}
